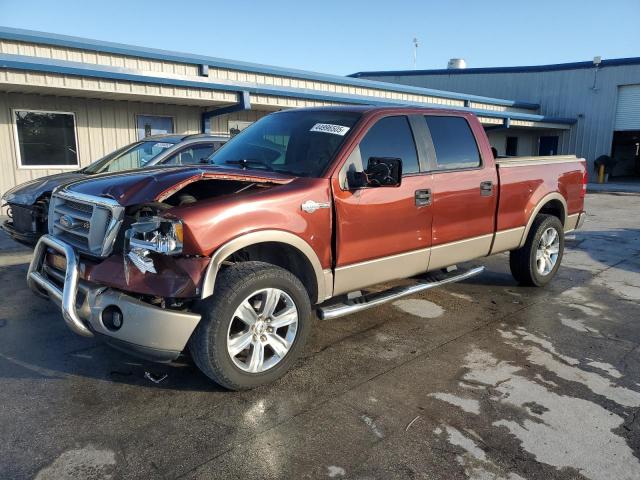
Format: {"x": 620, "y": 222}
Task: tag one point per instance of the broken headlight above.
{"x": 152, "y": 234}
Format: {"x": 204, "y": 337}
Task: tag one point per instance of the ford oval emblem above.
{"x": 67, "y": 221}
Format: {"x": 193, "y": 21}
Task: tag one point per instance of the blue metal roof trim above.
{"x": 613, "y": 62}
{"x": 18, "y": 34}
{"x": 20, "y": 62}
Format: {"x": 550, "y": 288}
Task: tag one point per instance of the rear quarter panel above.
{"x": 523, "y": 187}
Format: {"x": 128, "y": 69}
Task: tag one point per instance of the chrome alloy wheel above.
{"x": 262, "y": 330}
{"x": 547, "y": 252}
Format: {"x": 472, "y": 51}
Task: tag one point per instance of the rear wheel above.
{"x": 253, "y": 327}
{"x": 537, "y": 262}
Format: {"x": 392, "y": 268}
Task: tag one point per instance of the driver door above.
{"x": 382, "y": 233}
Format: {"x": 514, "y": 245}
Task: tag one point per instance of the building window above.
{"x": 454, "y": 143}
{"x": 511, "y": 149}
{"x": 153, "y": 125}
{"x": 46, "y": 139}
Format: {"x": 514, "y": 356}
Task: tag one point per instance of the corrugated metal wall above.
{"x": 101, "y": 125}
{"x": 566, "y": 93}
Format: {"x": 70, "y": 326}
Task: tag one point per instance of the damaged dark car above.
{"x": 28, "y": 204}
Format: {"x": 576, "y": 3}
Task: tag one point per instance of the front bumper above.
{"x": 151, "y": 332}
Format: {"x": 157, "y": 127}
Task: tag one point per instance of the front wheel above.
{"x": 537, "y": 262}
{"x": 253, "y": 327}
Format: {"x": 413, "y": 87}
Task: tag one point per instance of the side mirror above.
{"x": 356, "y": 180}
{"x": 384, "y": 172}
{"x": 380, "y": 172}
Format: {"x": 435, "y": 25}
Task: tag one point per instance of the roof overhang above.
{"x": 101, "y": 81}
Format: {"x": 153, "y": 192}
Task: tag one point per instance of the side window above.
{"x": 391, "y": 137}
{"x": 454, "y": 143}
{"x": 191, "y": 155}
{"x": 46, "y": 139}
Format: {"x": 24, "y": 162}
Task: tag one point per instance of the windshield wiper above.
{"x": 247, "y": 163}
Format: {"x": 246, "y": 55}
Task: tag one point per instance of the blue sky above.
{"x": 343, "y": 37}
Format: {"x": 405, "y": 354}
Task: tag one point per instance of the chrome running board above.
{"x": 371, "y": 300}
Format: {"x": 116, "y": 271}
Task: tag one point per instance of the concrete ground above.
{"x": 482, "y": 379}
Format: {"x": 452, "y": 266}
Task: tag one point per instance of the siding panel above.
{"x": 101, "y": 126}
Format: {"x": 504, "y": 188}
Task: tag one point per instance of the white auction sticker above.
{"x": 329, "y": 128}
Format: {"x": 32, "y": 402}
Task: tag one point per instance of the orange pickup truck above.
{"x": 300, "y": 212}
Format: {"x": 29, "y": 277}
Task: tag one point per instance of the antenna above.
{"x": 415, "y": 52}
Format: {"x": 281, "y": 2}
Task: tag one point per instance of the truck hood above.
{"x": 136, "y": 187}
{"x": 29, "y": 192}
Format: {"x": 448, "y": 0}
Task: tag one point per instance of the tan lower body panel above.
{"x": 363, "y": 274}
{"x": 328, "y": 285}
{"x": 572, "y": 222}
{"x": 507, "y": 240}
{"x": 461, "y": 251}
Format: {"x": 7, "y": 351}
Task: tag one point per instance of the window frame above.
{"x": 20, "y": 166}
{"x": 433, "y": 161}
{"x": 135, "y": 122}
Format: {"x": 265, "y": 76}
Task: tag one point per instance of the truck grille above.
{"x": 90, "y": 224}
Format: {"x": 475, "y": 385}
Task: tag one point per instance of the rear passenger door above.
{"x": 383, "y": 233}
{"x": 464, "y": 192}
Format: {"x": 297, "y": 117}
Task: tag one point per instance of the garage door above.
{"x": 628, "y": 110}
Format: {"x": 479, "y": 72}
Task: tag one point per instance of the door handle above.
{"x": 423, "y": 197}
{"x": 486, "y": 188}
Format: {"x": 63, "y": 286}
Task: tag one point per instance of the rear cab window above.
{"x": 454, "y": 143}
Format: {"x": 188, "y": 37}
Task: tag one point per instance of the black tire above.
{"x": 523, "y": 262}
{"x": 208, "y": 344}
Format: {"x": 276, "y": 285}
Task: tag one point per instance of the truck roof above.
{"x": 377, "y": 108}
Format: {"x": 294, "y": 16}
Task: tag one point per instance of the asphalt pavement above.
{"x": 483, "y": 379}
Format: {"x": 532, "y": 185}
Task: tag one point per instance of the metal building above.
{"x": 79, "y": 99}
{"x": 603, "y": 95}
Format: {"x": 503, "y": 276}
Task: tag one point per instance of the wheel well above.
{"x": 284, "y": 256}
{"x": 555, "y": 208}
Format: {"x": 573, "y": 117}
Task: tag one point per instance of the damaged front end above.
{"x": 153, "y": 234}
{"x": 129, "y": 272}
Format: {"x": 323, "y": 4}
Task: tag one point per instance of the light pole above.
{"x": 415, "y": 52}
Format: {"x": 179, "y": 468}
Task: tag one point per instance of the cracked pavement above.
{"x": 482, "y": 379}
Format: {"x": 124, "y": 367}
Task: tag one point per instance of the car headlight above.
{"x": 152, "y": 234}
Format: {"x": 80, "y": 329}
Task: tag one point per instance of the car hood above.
{"x": 155, "y": 184}
{"x": 29, "y": 192}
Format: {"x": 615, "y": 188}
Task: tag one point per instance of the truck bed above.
{"x": 526, "y": 181}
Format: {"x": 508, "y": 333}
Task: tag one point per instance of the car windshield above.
{"x": 301, "y": 143}
{"x": 136, "y": 155}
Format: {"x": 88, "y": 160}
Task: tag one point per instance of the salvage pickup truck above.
{"x": 301, "y": 211}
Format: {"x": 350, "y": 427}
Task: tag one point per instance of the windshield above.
{"x": 301, "y": 143}
{"x": 136, "y": 155}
